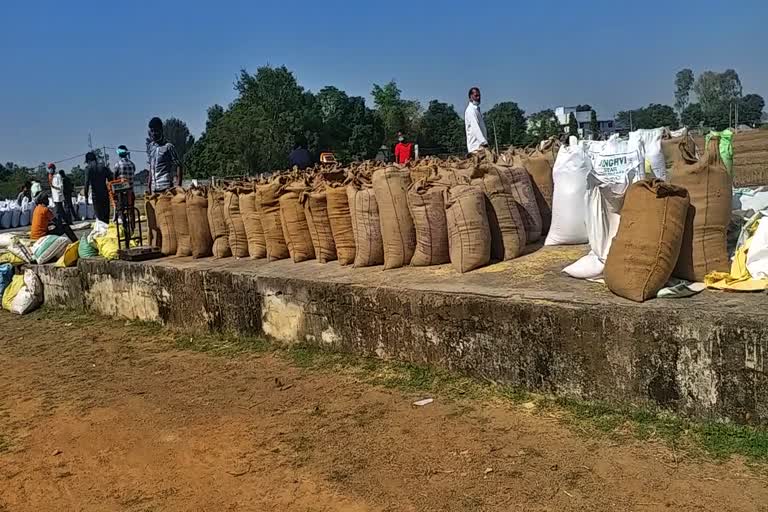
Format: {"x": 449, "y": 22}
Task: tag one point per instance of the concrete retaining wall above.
{"x": 697, "y": 359}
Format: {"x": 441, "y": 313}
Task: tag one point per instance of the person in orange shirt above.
{"x": 44, "y": 222}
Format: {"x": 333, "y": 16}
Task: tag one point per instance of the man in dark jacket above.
{"x": 96, "y": 178}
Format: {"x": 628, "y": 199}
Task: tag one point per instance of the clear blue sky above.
{"x": 70, "y": 68}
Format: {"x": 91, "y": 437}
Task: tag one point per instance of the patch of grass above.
{"x": 220, "y": 345}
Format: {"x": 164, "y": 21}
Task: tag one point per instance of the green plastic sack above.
{"x": 726, "y": 147}
{"x": 86, "y": 250}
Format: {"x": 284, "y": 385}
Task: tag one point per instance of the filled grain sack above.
{"x": 390, "y": 185}
{"x": 23, "y": 294}
{"x": 316, "y": 211}
{"x": 615, "y": 165}
{"x": 648, "y": 142}
{"x": 539, "y": 167}
{"x": 704, "y": 248}
{"x": 200, "y": 240}
{"x": 257, "y": 246}
{"x": 671, "y": 149}
{"x": 180, "y": 222}
{"x": 164, "y": 214}
{"x": 569, "y": 207}
{"x": 295, "y": 227}
{"x": 507, "y": 230}
{"x": 49, "y": 248}
{"x": 366, "y": 228}
{"x": 517, "y": 182}
{"x": 647, "y": 246}
{"x": 469, "y": 235}
{"x": 238, "y": 240}
{"x": 217, "y": 223}
{"x": 426, "y": 201}
{"x": 154, "y": 236}
{"x": 268, "y": 208}
{"x": 341, "y": 222}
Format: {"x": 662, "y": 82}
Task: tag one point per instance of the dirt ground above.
{"x": 100, "y": 415}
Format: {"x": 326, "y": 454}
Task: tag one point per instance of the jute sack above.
{"x": 539, "y": 165}
{"x": 508, "y": 236}
{"x": 469, "y": 236}
{"x": 217, "y": 222}
{"x": 180, "y": 222}
{"x": 164, "y": 215}
{"x": 710, "y": 188}
{"x": 341, "y": 223}
{"x": 295, "y": 227}
{"x": 426, "y": 201}
{"x": 390, "y": 185}
{"x": 257, "y": 246}
{"x": 268, "y": 206}
{"x": 672, "y": 153}
{"x": 238, "y": 240}
{"x": 316, "y": 211}
{"x": 517, "y": 182}
{"x": 154, "y": 237}
{"x": 197, "y": 218}
{"x": 366, "y": 228}
{"x": 646, "y": 248}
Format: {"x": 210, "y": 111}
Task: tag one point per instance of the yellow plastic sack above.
{"x": 107, "y": 244}
{"x": 9, "y": 257}
{"x": 12, "y": 290}
{"x": 739, "y": 279}
{"x": 69, "y": 258}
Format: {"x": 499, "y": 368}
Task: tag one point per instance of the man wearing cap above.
{"x": 164, "y": 165}
{"x": 124, "y": 170}
{"x": 96, "y": 178}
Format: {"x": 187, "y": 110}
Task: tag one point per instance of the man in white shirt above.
{"x": 57, "y": 194}
{"x": 473, "y": 122}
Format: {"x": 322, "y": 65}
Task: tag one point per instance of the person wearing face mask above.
{"x": 403, "y": 150}
{"x": 96, "y": 178}
{"x": 165, "y": 169}
{"x": 474, "y": 124}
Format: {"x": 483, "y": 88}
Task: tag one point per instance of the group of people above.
{"x": 165, "y": 172}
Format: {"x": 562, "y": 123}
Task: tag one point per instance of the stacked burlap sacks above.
{"x": 217, "y": 222}
{"x": 200, "y": 240}
{"x": 366, "y": 226}
{"x": 508, "y": 237}
{"x": 268, "y": 208}
{"x": 315, "y": 204}
{"x": 539, "y": 164}
{"x": 340, "y": 220}
{"x": 294, "y": 223}
{"x": 238, "y": 240}
{"x": 180, "y": 221}
{"x": 704, "y": 246}
{"x": 164, "y": 215}
{"x": 390, "y": 185}
{"x": 154, "y": 237}
{"x": 469, "y": 236}
{"x": 516, "y": 182}
{"x": 672, "y": 153}
{"x": 257, "y": 246}
{"x": 426, "y": 201}
{"x": 647, "y": 246}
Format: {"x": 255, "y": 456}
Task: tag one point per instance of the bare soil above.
{"x": 100, "y": 415}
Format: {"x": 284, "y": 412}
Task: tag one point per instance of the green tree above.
{"x": 506, "y": 125}
{"x": 751, "y": 109}
{"x": 573, "y": 126}
{"x": 350, "y": 129}
{"x": 717, "y": 94}
{"x": 543, "y": 125}
{"x": 684, "y": 81}
{"x": 653, "y": 116}
{"x": 442, "y": 130}
{"x": 692, "y": 116}
{"x": 394, "y": 112}
{"x": 177, "y": 133}
{"x": 594, "y": 126}
{"x": 583, "y": 108}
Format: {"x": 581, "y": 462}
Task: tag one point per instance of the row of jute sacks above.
{"x": 466, "y": 212}
{"x": 641, "y": 229}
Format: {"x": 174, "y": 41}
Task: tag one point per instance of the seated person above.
{"x": 44, "y": 222}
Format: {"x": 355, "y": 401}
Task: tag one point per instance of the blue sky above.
{"x": 70, "y": 68}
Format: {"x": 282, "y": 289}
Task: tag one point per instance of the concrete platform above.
{"x": 520, "y": 322}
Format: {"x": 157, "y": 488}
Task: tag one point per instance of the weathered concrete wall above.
{"x": 702, "y": 357}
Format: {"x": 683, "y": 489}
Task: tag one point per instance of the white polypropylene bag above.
{"x": 15, "y": 216}
{"x": 26, "y": 212}
{"x": 568, "y": 200}
{"x": 614, "y": 168}
{"x": 30, "y": 297}
{"x": 5, "y": 219}
{"x": 649, "y": 142}
{"x": 757, "y": 255}
{"x": 749, "y": 198}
